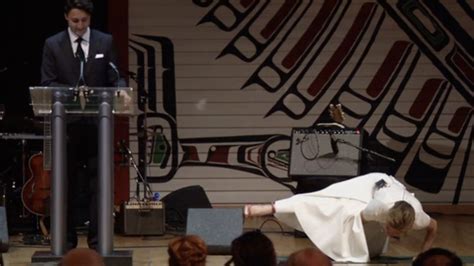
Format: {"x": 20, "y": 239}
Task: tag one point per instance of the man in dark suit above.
{"x": 64, "y": 55}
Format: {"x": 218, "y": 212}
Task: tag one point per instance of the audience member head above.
{"x": 186, "y": 251}
{"x": 253, "y": 248}
{"x": 82, "y": 257}
{"x": 308, "y": 257}
{"x": 437, "y": 257}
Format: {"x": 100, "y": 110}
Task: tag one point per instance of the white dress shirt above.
{"x": 84, "y": 44}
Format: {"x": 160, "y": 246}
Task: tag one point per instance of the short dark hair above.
{"x": 253, "y": 248}
{"x": 84, "y": 5}
{"x": 437, "y": 256}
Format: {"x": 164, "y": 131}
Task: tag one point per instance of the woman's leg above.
{"x": 252, "y": 210}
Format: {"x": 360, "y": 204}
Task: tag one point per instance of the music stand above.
{"x": 104, "y": 102}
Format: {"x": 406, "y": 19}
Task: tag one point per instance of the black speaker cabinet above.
{"x": 142, "y": 218}
{"x": 179, "y": 201}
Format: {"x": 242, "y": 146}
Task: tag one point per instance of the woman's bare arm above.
{"x": 431, "y": 231}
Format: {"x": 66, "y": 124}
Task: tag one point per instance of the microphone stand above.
{"x": 81, "y": 91}
{"x": 117, "y": 73}
{"x": 134, "y": 164}
{"x": 364, "y": 149}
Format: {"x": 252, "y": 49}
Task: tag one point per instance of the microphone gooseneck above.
{"x": 114, "y": 67}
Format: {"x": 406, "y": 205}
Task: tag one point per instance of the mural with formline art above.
{"x": 223, "y": 88}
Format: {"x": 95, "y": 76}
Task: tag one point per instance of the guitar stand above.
{"x": 38, "y": 238}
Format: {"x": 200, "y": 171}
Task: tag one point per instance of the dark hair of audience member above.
{"x": 189, "y": 250}
{"x": 82, "y": 257}
{"x": 308, "y": 257}
{"x": 437, "y": 257}
{"x": 253, "y": 248}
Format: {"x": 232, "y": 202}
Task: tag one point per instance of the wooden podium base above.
{"x": 117, "y": 258}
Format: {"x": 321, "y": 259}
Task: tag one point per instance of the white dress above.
{"x": 332, "y": 217}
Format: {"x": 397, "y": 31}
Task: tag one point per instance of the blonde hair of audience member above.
{"x": 186, "y": 251}
{"x": 82, "y": 257}
{"x": 308, "y": 257}
{"x": 401, "y": 216}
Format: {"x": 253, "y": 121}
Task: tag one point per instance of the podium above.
{"x": 59, "y": 103}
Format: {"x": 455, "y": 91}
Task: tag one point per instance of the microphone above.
{"x": 81, "y": 74}
{"x": 124, "y": 156}
{"x": 114, "y": 67}
{"x": 124, "y": 148}
{"x": 334, "y": 142}
{"x": 80, "y": 55}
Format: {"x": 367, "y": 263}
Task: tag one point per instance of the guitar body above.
{"x": 36, "y": 192}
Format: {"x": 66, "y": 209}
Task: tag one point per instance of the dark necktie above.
{"x": 79, "y": 52}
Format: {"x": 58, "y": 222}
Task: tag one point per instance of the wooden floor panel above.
{"x": 456, "y": 232}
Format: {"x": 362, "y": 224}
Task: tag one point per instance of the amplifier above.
{"x": 325, "y": 152}
{"x": 142, "y": 218}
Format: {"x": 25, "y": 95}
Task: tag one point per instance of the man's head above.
{"x": 187, "y": 250}
{"x": 78, "y": 15}
{"x": 400, "y": 219}
{"x": 308, "y": 257}
{"x": 253, "y": 248}
{"x": 437, "y": 256}
{"x": 82, "y": 256}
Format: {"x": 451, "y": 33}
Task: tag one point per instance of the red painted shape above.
{"x": 387, "y": 68}
{"x": 190, "y": 154}
{"x": 279, "y": 17}
{"x": 246, "y": 3}
{"x": 463, "y": 66}
{"x": 343, "y": 50}
{"x": 459, "y": 118}
{"x": 220, "y": 154}
{"x": 425, "y": 97}
{"x": 310, "y": 34}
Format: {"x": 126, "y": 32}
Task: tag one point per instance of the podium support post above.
{"x": 59, "y": 172}
{"x": 105, "y": 215}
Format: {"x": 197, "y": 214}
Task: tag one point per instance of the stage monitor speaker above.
{"x": 324, "y": 152}
{"x": 179, "y": 201}
{"x": 217, "y": 227}
{"x": 141, "y": 218}
{"x": 4, "y": 244}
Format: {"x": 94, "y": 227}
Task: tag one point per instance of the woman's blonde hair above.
{"x": 401, "y": 216}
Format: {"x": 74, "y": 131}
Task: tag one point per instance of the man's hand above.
{"x": 125, "y": 98}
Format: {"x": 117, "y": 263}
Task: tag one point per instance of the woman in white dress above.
{"x": 333, "y": 218}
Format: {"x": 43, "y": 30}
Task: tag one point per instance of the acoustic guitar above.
{"x": 36, "y": 191}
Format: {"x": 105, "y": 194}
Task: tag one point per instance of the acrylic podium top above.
{"x": 82, "y": 100}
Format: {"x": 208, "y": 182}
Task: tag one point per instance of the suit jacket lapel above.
{"x": 93, "y": 43}
{"x": 65, "y": 44}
